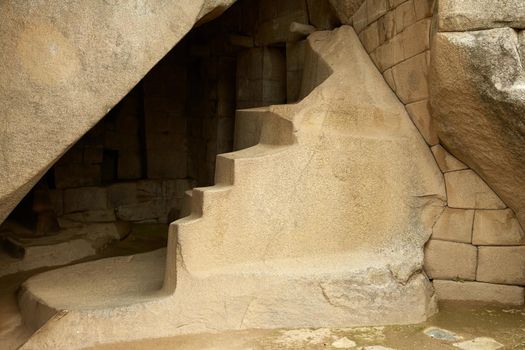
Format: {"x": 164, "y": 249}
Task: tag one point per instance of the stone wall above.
{"x": 477, "y": 249}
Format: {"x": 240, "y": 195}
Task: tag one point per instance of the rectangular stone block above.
{"x": 416, "y": 38}
{"x": 150, "y": 211}
{"x": 454, "y": 225}
{"x": 420, "y": 114}
{"x": 424, "y": 8}
{"x": 370, "y": 37}
{"x": 450, "y": 260}
{"x": 85, "y": 198}
{"x": 122, "y": 194}
{"x": 504, "y": 265}
{"x": 411, "y": 79}
{"x": 497, "y": 227}
{"x": 405, "y": 15}
{"x": 465, "y": 189}
{"x": 360, "y": 19}
{"x": 390, "y": 53}
{"x": 480, "y": 292}
{"x": 386, "y": 26}
{"x": 164, "y": 163}
{"x": 375, "y": 9}
{"x": 446, "y": 161}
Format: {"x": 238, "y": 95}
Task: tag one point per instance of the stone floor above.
{"x": 457, "y": 326}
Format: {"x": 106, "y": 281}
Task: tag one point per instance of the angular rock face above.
{"x": 477, "y": 84}
{"x": 67, "y": 66}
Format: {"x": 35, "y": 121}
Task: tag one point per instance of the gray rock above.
{"x": 478, "y": 104}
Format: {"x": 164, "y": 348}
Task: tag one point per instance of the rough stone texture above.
{"x": 345, "y": 9}
{"x": 59, "y": 79}
{"x": 463, "y": 15}
{"x": 446, "y": 161}
{"x": 450, "y": 260}
{"x": 505, "y": 265}
{"x": 454, "y": 225}
{"x": 478, "y": 104}
{"x": 477, "y": 291}
{"x": 254, "y": 254}
{"x": 64, "y": 247}
{"x": 497, "y": 227}
{"x": 465, "y": 189}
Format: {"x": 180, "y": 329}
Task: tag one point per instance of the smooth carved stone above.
{"x": 463, "y": 15}
{"x": 450, "y": 260}
{"x": 465, "y": 189}
{"x": 375, "y": 9}
{"x": 478, "y": 106}
{"x": 477, "y": 291}
{"x": 446, "y": 161}
{"x": 454, "y": 225}
{"x": 411, "y": 79}
{"x": 497, "y": 227}
{"x": 505, "y": 265}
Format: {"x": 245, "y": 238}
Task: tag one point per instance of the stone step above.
{"x": 106, "y": 283}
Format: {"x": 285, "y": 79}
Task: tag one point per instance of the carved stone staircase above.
{"x": 319, "y": 219}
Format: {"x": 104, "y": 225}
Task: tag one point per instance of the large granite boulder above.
{"x": 65, "y": 65}
{"x": 477, "y": 84}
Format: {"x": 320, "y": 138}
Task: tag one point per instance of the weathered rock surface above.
{"x": 450, "y": 260}
{"x": 463, "y": 15}
{"x": 58, "y": 79}
{"x": 478, "y": 291}
{"x": 345, "y": 9}
{"x": 465, "y": 189}
{"x": 454, "y": 225}
{"x": 505, "y": 265}
{"x": 478, "y": 100}
{"x": 497, "y": 227}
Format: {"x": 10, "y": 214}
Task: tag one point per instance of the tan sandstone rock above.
{"x": 465, "y": 189}
{"x": 345, "y": 9}
{"x": 478, "y": 103}
{"x": 446, "y": 161}
{"x": 454, "y": 225}
{"x": 450, "y": 260}
{"x": 477, "y": 291}
{"x": 505, "y": 265}
{"x": 497, "y": 227}
{"x": 321, "y": 223}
